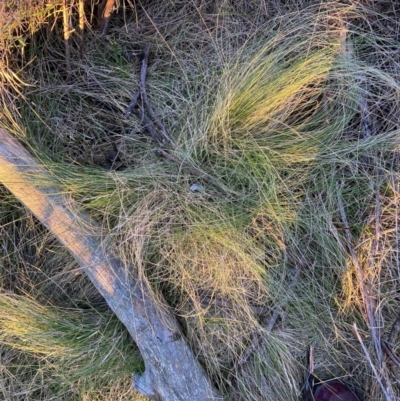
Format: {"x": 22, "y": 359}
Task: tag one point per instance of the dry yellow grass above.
{"x": 291, "y": 107}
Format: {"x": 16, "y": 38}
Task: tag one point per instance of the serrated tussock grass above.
{"x": 79, "y": 346}
{"x": 291, "y": 118}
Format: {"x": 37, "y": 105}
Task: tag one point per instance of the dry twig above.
{"x": 106, "y": 16}
{"x": 369, "y": 304}
{"x": 143, "y": 94}
{"x": 387, "y": 346}
{"x": 67, "y": 33}
{"x": 310, "y": 381}
{"x": 386, "y": 387}
{"x": 148, "y": 125}
{"x": 152, "y": 125}
{"x": 81, "y": 12}
{"x": 367, "y": 299}
{"x": 132, "y": 104}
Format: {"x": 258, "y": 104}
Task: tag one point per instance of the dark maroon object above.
{"x": 330, "y": 391}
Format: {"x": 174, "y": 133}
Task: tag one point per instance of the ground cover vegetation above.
{"x": 269, "y": 224}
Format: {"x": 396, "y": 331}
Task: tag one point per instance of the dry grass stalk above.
{"x": 387, "y": 346}
{"x": 82, "y": 19}
{"x": 67, "y": 33}
{"x": 106, "y": 14}
{"x": 370, "y": 308}
{"x": 382, "y": 380}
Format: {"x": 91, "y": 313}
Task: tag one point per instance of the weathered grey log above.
{"x": 171, "y": 370}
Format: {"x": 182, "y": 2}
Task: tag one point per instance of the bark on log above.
{"x": 171, "y": 371}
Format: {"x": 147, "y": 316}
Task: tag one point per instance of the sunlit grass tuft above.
{"x": 80, "y": 346}
{"x": 290, "y": 117}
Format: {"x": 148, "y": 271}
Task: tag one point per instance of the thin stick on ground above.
{"x": 81, "y": 12}
{"x": 367, "y": 124}
{"x": 386, "y": 388}
{"x": 108, "y": 9}
{"x": 143, "y": 94}
{"x": 388, "y": 345}
{"x": 369, "y": 305}
{"x": 67, "y": 32}
{"x": 368, "y": 127}
{"x": 309, "y": 384}
{"x": 148, "y": 126}
{"x": 132, "y": 104}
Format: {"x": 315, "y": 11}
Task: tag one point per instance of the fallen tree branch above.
{"x": 132, "y": 104}
{"x": 148, "y": 125}
{"x": 143, "y": 94}
{"x": 151, "y": 124}
{"x": 172, "y": 372}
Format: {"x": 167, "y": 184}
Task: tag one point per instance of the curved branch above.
{"x": 172, "y": 372}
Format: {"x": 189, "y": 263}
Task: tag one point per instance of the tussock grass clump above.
{"x": 77, "y": 350}
{"x": 293, "y": 121}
